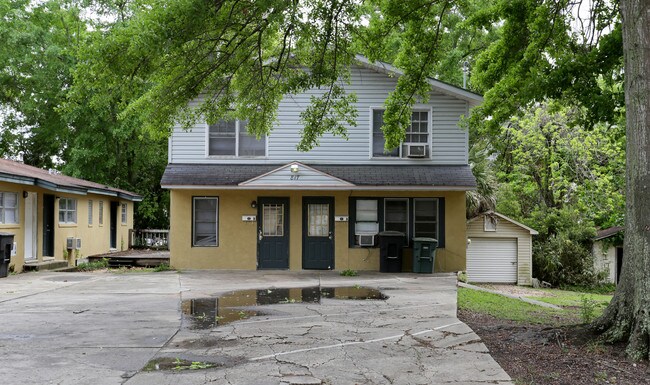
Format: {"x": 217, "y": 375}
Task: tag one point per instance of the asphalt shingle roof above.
{"x": 360, "y": 175}
{"x": 35, "y": 176}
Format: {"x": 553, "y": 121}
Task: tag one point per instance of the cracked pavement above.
{"x": 103, "y": 328}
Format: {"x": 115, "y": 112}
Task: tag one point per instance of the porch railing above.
{"x": 149, "y": 239}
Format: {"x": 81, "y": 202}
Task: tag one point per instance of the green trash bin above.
{"x": 424, "y": 254}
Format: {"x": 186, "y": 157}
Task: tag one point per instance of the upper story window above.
{"x": 230, "y": 138}
{"x": 67, "y": 210}
{"x": 489, "y": 223}
{"x": 8, "y": 208}
{"x": 416, "y": 143}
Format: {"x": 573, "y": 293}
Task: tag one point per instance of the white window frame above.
{"x": 489, "y": 223}
{"x": 416, "y": 108}
{"x": 124, "y": 213}
{"x": 4, "y": 208}
{"x": 90, "y": 212}
{"x": 207, "y": 145}
{"x": 357, "y": 221}
{"x": 194, "y": 199}
{"x": 408, "y": 209}
{"x": 415, "y": 200}
{"x": 68, "y": 212}
{"x": 100, "y": 216}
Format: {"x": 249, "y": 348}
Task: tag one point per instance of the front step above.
{"x": 47, "y": 265}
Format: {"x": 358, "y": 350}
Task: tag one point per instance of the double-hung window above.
{"x": 205, "y": 218}
{"x": 8, "y": 208}
{"x": 417, "y": 134}
{"x": 231, "y": 138}
{"x": 67, "y": 211}
{"x": 396, "y": 215}
{"x": 425, "y": 217}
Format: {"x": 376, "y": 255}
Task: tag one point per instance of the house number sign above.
{"x": 294, "y": 177}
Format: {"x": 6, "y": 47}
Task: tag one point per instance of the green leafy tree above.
{"x": 37, "y": 51}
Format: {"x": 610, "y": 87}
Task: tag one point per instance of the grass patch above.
{"x": 349, "y": 273}
{"x": 162, "y": 267}
{"x": 605, "y": 288}
{"x": 573, "y": 299}
{"x": 502, "y": 307}
{"x": 576, "y": 307}
{"x": 90, "y": 266}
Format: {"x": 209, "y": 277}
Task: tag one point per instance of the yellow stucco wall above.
{"x": 94, "y": 237}
{"x": 238, "y": 239}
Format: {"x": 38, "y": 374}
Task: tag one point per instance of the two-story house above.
{"x": 242, "y": 203}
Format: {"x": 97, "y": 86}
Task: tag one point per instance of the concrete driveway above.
{"x": 143, "y": 328}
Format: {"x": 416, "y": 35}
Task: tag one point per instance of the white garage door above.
{"x": 492, "y": 260}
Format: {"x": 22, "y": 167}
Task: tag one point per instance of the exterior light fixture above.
{"x": 294, "y": 168}
{"x": 254, "y": 204}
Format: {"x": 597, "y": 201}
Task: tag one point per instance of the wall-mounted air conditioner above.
{"x": 416, "y": 150}
{"x": 70, "y": 243}
{"x": 365, "y": 240}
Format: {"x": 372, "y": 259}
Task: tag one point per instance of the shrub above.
{"x": 90, "y": 266}
{"x": 563, "y": 261}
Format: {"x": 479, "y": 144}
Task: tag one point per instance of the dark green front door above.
{"x": 48, "y": 225}
{"x": 318, "y": 233}
{"x": 273, "y": 233}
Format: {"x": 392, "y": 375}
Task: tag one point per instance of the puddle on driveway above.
{"x": 207, "y": 313}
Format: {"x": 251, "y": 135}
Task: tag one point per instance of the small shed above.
{"x": 607, "y": 252}
{"x": 499, "y": 250}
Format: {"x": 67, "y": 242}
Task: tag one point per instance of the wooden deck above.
{"x": 134, "y": 258}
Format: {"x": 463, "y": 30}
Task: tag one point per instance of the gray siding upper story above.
{"x": 448, "y": 142}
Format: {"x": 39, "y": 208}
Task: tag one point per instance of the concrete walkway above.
{"x": 104, "y": 328}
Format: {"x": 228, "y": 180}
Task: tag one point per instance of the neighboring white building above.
{"x": 608, "y": 253}
{"x": 499, "y": 250}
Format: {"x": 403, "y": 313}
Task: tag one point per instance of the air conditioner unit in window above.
{"x": 78, "y": 245}
{"x": 70, "y": 243}
{"x": 365, "y": 240}
{"x": 416, "y": 150}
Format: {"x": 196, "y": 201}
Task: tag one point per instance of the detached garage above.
{"x": 499, "y": 250}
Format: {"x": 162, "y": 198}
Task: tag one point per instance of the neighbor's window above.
{"x": 67, "y": 210}
{"x": 205, "y": 221}
{"x": 8, "y": 208}
{"x": 417, "y": 132}
{"x": 101, "y": 213}
{"x": 489, "y": 223}
{"x": 124, "y": 216}
{"x": 231, "y": 138}
{"x": 396, "y": 215}
{"x": 90, "y": 212}
{"x": 425, "y": 217}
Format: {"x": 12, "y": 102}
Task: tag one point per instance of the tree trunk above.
{"x": 628, "y": 316}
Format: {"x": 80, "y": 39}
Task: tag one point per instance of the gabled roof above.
{"x": 532, "y": 231}
{"x": 472, "y": 98}
{"x": 606, "y": 233}
{"x": 16, "y": 172}
{"x": 341, "y": 177}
